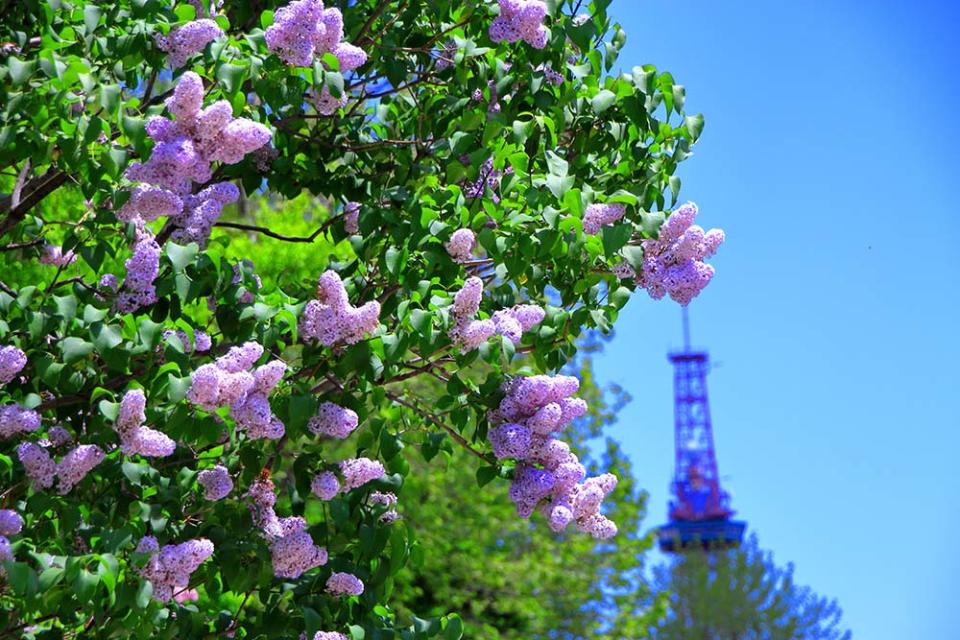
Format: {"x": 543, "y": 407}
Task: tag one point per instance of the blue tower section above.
{"x": 700, "y": 511}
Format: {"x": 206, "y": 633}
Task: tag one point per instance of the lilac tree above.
{"x": 188, "y": 450}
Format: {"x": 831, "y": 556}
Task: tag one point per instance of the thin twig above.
{"x": 433, "y": 420}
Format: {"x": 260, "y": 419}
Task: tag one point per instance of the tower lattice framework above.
{"x": 700, "y": 510}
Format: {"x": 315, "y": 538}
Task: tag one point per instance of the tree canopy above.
{"x": 741, "y": 594}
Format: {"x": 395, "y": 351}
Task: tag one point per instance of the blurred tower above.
{"x": 700, "y": 513}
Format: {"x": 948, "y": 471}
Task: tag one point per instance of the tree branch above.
{"x": 273, "y": 234}
{"x": 433, "y": 420}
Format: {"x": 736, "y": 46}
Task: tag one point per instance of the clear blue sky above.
{"x": 830, "y": 158}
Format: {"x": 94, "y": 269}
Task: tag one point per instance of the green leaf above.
{"x": 66, "y": 307}
{"x": 603, "y": 101}
{"x": 559, "y": 186}
{"x": 454, "y": 630}
{"x": 557, "y": 165}
{"x": 231, "y": 76}
{"x": 357, "y": 632}
{"x": 422, "y": 321}
{"x": 105, "y": 336}
{"x": 177, "y": 387}
{"x": 143, "y": 594}
{"x": 21, "y": 71}
{"x": 485, "y": 475}
{"x": 23, "y": 579}
{"x": 694, "y": 125}
{"x": 185, "y": 12}
{"x": 91, "y": 17}
{"x": 109, "y": 410}
{"x": 180, "y": 256}
{"x": 73, "y": 349}
{"x": 615, "y": 238}
{"x": 85, "y": 585}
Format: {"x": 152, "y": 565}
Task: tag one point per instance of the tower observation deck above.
{"x": 700, "y": 511}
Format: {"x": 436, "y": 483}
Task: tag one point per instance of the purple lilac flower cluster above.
{"x": 10, "y": 525}
{"x": 344, "y": 584}
{"x": 303, "y": 30}
{"x": 673, "y": 263}
{"x": 292, "y": 550}
{"x": 57, "y": 436}
{"x": 325, "y": 485}
{"x": 356, "y": 472}
{"x": 14, "y": 419}
{"x": 136, "y": 438}
{"x": 169, "y": 568}
{"x": 351, "y": 217}
{"x": 461, "y": 245}
{"x": 520, "y": 20}
{"x": 10, "y": 522}
{"x": 12, "y": 362}
{"x": 53, "y": 255}
{"x": 510, "y": 323}
{"x": 325, "y": 635}
{"x": 325, "y": 102}
{"x": 548, "y": 475}
{"x": 332, "y": 320}
{"x": 554, "y": 77}
{"x": 186, "y": 40}
{"x": 598, "y": 215}
{"x": 388, "y": 500}
{"x": 184, "y": 151}
{"x": 41, "y": 469}
{"x": 228, "y": 381}
{"x": 217, "y": 483}
{"x": 489, "y": 178}
{"x": 333, "y": 421}
{"x": 142, "y": 269}
{"x": 74, "y": 466}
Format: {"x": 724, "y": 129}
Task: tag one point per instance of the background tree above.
{"x": 173, "y": 422}
{"x": 741, "y": 594}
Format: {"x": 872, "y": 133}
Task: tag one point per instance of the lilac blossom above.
{"x": 12, "y": 362}
{"x": 186, "y": 40}
{"x": 359, "y": 471}
{"x": 76, "y": 465}
{"x": 136, "y": 438}
{"x": 520, "y": 20}
{"x": 548, "y": 476}
{"x": 325, "y": 485}
{"x": 598, "y": 215}
{"x": 169, "y": 568}
{"x": 673, "y": 264}
{"x": 332, "y": 320}
{"x": 461, "y": 245}
{"x": 340, "y": 583}
{"x": 333, "y": 421}
{"x": 10, "y": 522}
{"x": 15, "y": 419}
{"x": 216, "y": 482}
{"x": 303, "y": 30}
{"x": 37, "y": 464}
